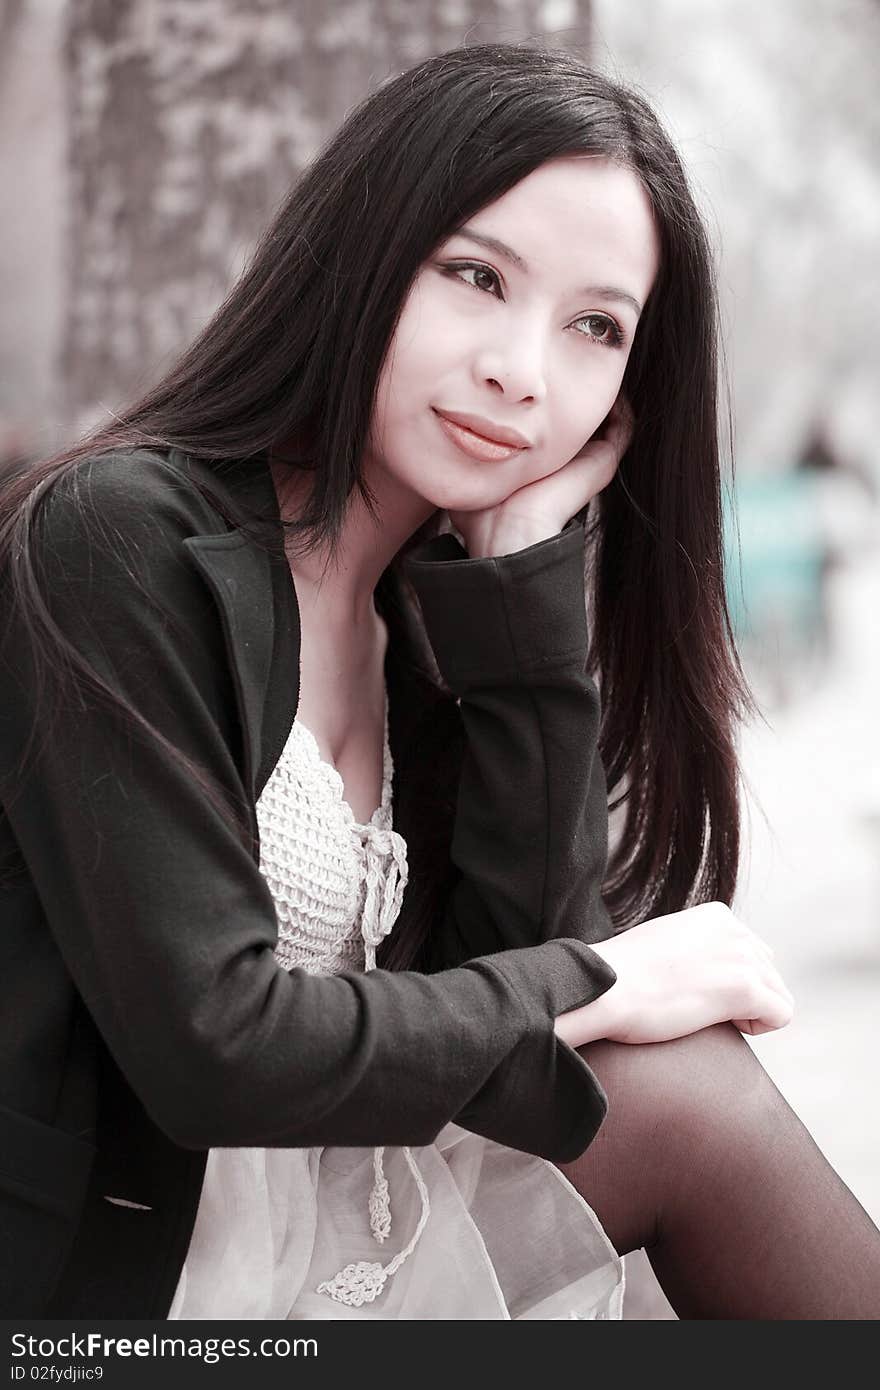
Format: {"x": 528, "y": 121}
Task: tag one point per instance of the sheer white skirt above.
{"x": 508, "y": 1237}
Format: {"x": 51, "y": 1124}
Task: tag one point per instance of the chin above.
{"x": 480, "y": 496}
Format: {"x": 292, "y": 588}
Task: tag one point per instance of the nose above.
{"x": 515, "y": 367}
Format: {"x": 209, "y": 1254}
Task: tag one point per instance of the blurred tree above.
{"x": 188, "y": 120}
{"x": 10, "y": 16}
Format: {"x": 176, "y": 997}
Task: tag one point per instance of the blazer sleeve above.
{"x": 168, "y": 928}
{"x": 530, "y": 836}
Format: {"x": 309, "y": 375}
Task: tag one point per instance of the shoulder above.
{"x": 127, "y": 491}
{"x": 109, "y": 547}
{"x": 116, "y": 517}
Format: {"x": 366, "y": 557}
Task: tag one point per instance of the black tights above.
{"x": 702, "y": 1162}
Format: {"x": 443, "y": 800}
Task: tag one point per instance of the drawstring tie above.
{"x": 362, "y": 1281}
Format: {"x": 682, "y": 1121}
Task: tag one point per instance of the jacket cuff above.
{"x": 557, "y": 1121}
{"x": 544, "y": 1087}
{"x": 501, "y": 615}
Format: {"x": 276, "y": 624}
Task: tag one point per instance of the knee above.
{"x": 703, "y": 1082}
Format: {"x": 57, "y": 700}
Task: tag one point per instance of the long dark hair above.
{"x": 294, "y": 353}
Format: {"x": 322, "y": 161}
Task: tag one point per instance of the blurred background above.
{"x": 144, "y": 144}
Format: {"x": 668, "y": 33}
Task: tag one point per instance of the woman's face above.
{"x": 523, "y": 322}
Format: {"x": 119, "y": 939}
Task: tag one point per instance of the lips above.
{"x": 485, "y": 429}
{"x": 476, "y": 446}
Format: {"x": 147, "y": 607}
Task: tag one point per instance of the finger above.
{"x": 618, "y": 437}
{"x": 623, "y": 404}
{"x": 776, "y": 1011}
{"x": 771, "y": 976}
{"x": 621, "y": 423}
{"x": 759, "y": 941}
{"x": 766, "y": 950}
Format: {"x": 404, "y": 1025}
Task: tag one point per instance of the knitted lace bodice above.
{"x": 337, "y": 885}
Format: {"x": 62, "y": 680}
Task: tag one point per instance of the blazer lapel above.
{"x": 238, "y": 576}
{"x": 256, "y": 600}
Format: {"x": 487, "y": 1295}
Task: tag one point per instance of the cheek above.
{"x": 587, "y": 403}
{"x": 428, "y": 333}
{"x": 412, "y": 376}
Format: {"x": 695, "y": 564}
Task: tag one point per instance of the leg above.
{"x": 702, "y": 1161}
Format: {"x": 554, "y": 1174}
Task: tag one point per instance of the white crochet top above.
{"x": 338, "y": 887}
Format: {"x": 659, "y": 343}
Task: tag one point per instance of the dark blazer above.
{"x": 143, "y": 1018}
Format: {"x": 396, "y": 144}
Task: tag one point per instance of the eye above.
{"x": 461, "y": 268}
{"x": 602, "y": 330}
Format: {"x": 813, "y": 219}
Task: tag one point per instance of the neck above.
{"x": 342, "y": 598}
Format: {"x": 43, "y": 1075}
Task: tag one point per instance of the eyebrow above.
{"x": 492, "y": 243}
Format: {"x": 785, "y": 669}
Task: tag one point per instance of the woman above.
{"x": 333, "y": 562}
